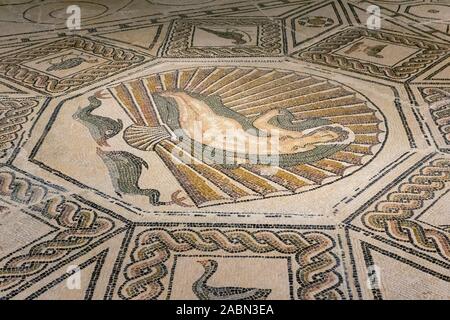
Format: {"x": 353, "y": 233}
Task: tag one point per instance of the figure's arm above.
{"x": 262, "y": 122}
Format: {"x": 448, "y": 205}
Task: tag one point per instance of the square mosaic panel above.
{"x": 231, "y": 37}
{"x": 375, "y": 53}
{"x": 66, "y": 65}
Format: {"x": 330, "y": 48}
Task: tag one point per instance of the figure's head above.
{"x": 330, "y": 134}
{"x": 289, "y": 144}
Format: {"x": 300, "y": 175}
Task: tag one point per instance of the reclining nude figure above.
{"x": 227, "y": 133}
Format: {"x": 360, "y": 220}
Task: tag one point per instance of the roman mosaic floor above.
{"x": 100, "y": 198}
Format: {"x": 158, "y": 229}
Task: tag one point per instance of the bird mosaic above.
{"x": 371, "y": 51}
{"x": 203, "y": 291}
{"x": 67, "y": 63}
{"x": 237, "y": 36}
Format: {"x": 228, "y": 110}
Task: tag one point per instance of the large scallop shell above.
{"x": 145, "y": 138}
{"x": 252, "y": 91}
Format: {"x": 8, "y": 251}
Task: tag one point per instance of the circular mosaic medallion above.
{"x": 324, "y": 129}
{"x": 56, "y": 12}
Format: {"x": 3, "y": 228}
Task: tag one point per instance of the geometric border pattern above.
{"x": 14, "y": 113}
{"x": 316, "y": 275}
{"x": 439, "y": 107}
{"x": 393, "y": 214}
